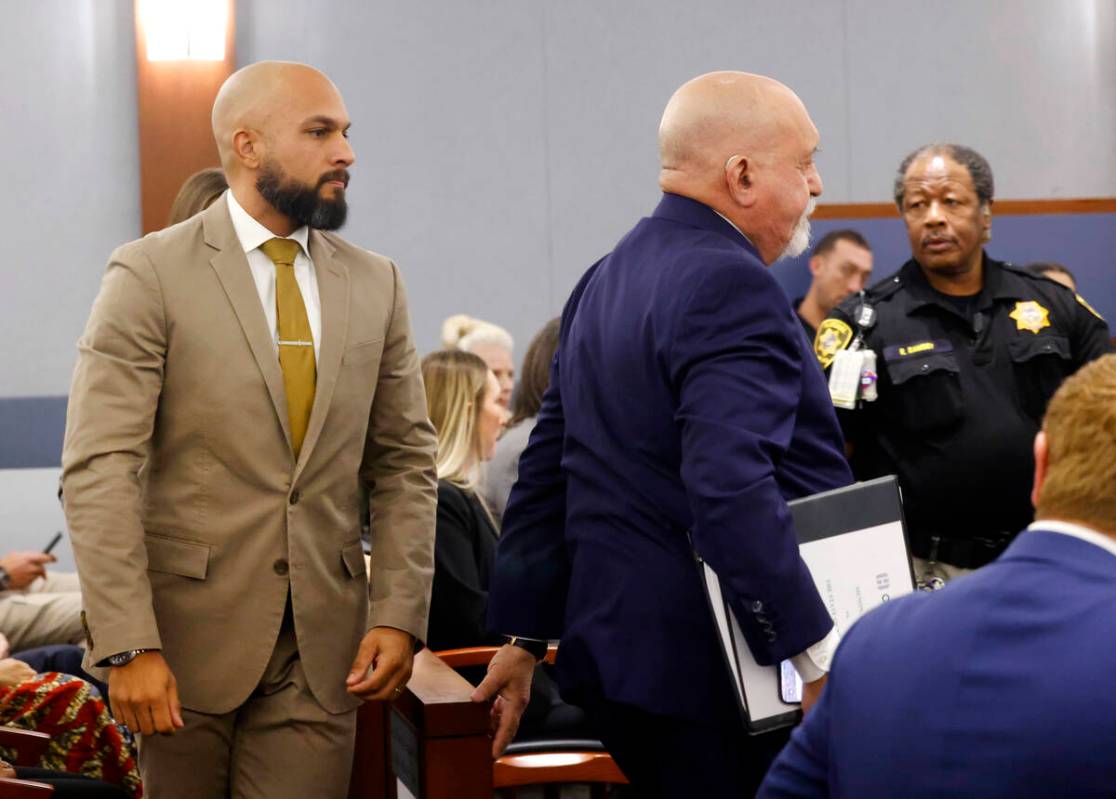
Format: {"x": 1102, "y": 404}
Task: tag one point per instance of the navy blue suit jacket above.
{"x": 997, "y": 686}
{"x": 683, "y": 397}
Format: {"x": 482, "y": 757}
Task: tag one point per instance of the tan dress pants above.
{"x": 47, "y": 612}
{"x": 279, "y": 744}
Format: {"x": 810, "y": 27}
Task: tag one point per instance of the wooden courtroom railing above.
{"x": 435, "y": 735}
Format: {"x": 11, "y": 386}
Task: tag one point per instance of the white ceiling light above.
{"x": 184, "y": 30}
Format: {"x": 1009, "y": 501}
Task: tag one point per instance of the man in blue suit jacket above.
{"x": 998, "y": 685}
{"x": 683, "y": 399}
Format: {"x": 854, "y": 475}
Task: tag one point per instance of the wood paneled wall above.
{"x": 175, "y": 136}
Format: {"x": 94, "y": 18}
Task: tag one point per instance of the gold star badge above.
{"x": 833, "y": 336}
{"x": 1031, "y": 316}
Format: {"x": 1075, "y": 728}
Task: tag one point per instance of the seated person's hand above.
{"x": 5, "y": 647}
{"x": 25, "y": 567}
{"x": 13, "y": 672}
{"x": 6, "y": 770}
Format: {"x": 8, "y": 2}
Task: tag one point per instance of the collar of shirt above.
{"x": 252, "y": 234}
{"x": 734, "y": 227}
{"x": 1076, "y": 531}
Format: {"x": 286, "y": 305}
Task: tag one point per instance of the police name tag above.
{"x": 844, "y": 378}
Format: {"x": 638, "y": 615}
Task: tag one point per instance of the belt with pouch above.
{"x": 965, "y": 553}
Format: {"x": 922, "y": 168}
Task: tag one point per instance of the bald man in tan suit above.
{"x": 246, "y": 381}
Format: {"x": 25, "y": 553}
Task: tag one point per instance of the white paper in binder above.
{"x": 853, "y": 541}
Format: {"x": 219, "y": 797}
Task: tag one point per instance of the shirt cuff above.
{"x": 813, "y": 664}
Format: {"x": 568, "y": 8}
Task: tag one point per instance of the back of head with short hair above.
{"x": 830, "y": 240}
{"x": 535, "y": 376}
{"x": 1080, "y": 425}
{"x": 197, "y": 193}
{"x": 1042, "y": 268}
{"x": 455, "y": 382}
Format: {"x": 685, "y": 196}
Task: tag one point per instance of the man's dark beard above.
{"x": 300, "y": 203}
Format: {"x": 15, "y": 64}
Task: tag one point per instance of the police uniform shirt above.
{"x": 962, "y": 389}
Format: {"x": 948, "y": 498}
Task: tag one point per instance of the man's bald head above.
{"x": 255, "y": 96}
{"x": 720, "y": 114}
{"x": 743, "y": 145}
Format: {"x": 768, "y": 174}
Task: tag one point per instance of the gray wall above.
{"x": 70, "y": 176}
{"x": 503, "y": 145}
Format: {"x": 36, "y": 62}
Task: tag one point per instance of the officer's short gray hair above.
{"x": 977, "y": 164}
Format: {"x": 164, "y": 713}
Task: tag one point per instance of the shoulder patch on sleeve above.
{"x": 833, "y": 336}
{"x": 1087, "y": 306}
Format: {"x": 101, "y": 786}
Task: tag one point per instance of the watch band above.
{"x": 124, "y": 658}
{"x": 534, "y": 646}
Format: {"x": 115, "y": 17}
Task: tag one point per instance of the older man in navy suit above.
{"x": 1012, "y": 699}
{"x": 684, "y": 403}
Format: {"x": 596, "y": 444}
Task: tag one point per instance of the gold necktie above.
{"x": 296, "y": 342}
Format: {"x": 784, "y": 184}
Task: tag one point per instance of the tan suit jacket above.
{"x": 191, "y": 518}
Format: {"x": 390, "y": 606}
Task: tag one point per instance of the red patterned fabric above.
{"x": 84, "y": 737}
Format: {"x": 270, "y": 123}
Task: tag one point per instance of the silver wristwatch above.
{"x": 124, "y": 658}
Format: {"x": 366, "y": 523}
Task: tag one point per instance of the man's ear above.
{"x": 1042, "y": 461}
{"x": 248, "y": 147}
{"x": 986, "y": 221}
{"x": 815, "y": 264}
{"x": 739, "y": 179}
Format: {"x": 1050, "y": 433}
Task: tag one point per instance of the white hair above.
{"x": 462, "y": 332}
{"x": 800, "y": 238}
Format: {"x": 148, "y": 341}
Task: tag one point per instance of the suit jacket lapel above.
{"x": 333, "y": 290}
{"x": 235, "y": 275}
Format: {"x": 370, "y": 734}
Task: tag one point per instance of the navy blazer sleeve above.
{"x": 532, "y": 574}
{"x": 736, "y": 365}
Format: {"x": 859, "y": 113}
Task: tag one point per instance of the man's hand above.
{"x": 390, "y": 654}
{"x": 509, "y": 680}
{"x": 811, "y": 692}
{"x": 25, "y": 567}
{"x": 13, "y": 672}
{"x": 5, "y": 647}
{"x": 144, "y": 695}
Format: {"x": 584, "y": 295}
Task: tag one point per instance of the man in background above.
{"x": 839, "y": 266}
{"x": 243, "y": 378}
{"x": 684, "y": 410}
{"x": 996, "y": 686}
{"x": 1052, "y": 270}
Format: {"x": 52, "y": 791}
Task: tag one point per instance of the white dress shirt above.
{"x": 251, "y": 235}
{"x": 1075, "y": 531}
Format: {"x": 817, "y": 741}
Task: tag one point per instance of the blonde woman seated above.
{"x": 462, "y": 400}
{"x": 491, "y": 342}
{"x": 461, "y": 397}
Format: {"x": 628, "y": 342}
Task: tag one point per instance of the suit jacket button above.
{"x": 771, "y": 637}
{"x": 282, "y": 568}
{"x": 757, "y": 606}
{"x": 295, "y": 496}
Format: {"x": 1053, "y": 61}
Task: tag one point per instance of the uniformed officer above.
{"x": 960, "y": 353}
